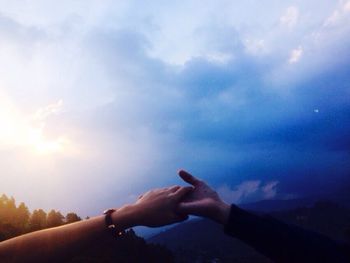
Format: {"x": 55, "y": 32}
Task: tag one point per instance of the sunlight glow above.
{"x": 41, "y": 145}
{"x": 28, "y": 130}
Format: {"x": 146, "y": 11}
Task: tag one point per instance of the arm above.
{"x": 155, "y": 208}
{"x": 278, "y": 241}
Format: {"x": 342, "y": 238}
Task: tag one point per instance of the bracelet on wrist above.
{"x": 111, "y": 227}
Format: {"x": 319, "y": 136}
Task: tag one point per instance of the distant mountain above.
{"x": 278, "y": 205}
{"x": 325, "y": 217}
{"x": 205, "y": 241}
{"x": 340, "y": 198}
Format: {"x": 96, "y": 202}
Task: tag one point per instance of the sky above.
{"x": 103, "y": 100}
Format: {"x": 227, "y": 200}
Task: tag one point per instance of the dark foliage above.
{"x": 17, "y": 220}
{"x": 195, "y": 241}
{"x": 128, "y": 248}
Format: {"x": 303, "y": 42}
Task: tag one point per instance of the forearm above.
{"x": 56, "y": 243}
{"x": 282, "y": 242}
{"x": 154, "y": 208}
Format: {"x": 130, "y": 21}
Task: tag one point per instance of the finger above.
{"x": 174, "y": 188}
{"x": 187, "y": 177}
{"x": 187, "y": 208}
{"x": 182, "y": 191}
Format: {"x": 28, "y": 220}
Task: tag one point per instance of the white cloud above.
{"x": 270, "y": 190}
{"x": 218, "y": 57}
{"x": 126, "y": 110}
{"x": 51, "y": 109}
{"x": 290, "y": 17}
{"x": 255, "y": 46}
{"x": 333, "y": 18}
{"x": 248, "y": 191}
{"x": 295, "y": 55}
{"x": 339, "y": 15}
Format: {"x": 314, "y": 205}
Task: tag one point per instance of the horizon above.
{"x": 100, "y": 102}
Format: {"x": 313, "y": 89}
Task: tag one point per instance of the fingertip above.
{"x": 181, "y": 172}
{"x": 189, "y": 178}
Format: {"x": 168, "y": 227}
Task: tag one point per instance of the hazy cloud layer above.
{"x": 248, "y": 191}
{"x": 236, "y": 93}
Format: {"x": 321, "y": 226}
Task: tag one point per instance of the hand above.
{"x": 203, "y": 201}
{"x": 158, "y": 207}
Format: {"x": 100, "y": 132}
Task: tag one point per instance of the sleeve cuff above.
{"x": 238, "y": 221}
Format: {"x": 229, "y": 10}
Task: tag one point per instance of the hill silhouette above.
{"x": 204, "y": 241}
{"x": 17, "y": 220}
{"x": 194, "y": 241}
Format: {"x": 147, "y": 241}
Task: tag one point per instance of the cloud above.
{"x": 206, "y": 87}
{"x": 270, "y": 190}
{"x": 347, "y": 6}
{"x": 255, "y": 46}
{"x": 43, "y": 113}
{"x": 248, "y": 191}
{"x": 295, "y": 55}
{"x": 290, "y": 17}
{"x": 339, "y": 15}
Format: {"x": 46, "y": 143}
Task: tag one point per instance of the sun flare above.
{"x": 41, "y": 145}
{"x": 18, "y": 129}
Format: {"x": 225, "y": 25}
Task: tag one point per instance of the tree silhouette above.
{"x": 54, "y": 218}
{"x": 10, "y": 207}
{"x": 72, "y": 217}
{"x": 37, "y": 220}
{"x": 21, "y": 219}
{"x": 130, "y": 248}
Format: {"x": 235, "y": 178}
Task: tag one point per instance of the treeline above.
{"x": 17, "y": 220}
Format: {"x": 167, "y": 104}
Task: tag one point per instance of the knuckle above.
{"x": 175, "y": 187}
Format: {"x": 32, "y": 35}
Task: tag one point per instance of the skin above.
{"x": 155, "y": 208}
{"x": 203, "y": 201}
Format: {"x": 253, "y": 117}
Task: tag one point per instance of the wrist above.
{"x": 125, "y": 217}
{"x": 223, "y": 212}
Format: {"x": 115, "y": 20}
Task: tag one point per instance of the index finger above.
{"x": 182, "y": 191}
{"x": 187, "y": 177}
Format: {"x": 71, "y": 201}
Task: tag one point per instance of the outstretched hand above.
{"x": 203, "y": 200}
{"x": 157, "y": 207}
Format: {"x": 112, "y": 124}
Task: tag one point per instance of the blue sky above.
{"x": 102, "y": 100}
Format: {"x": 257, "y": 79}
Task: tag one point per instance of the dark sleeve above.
{"x": 282, "y": 242}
